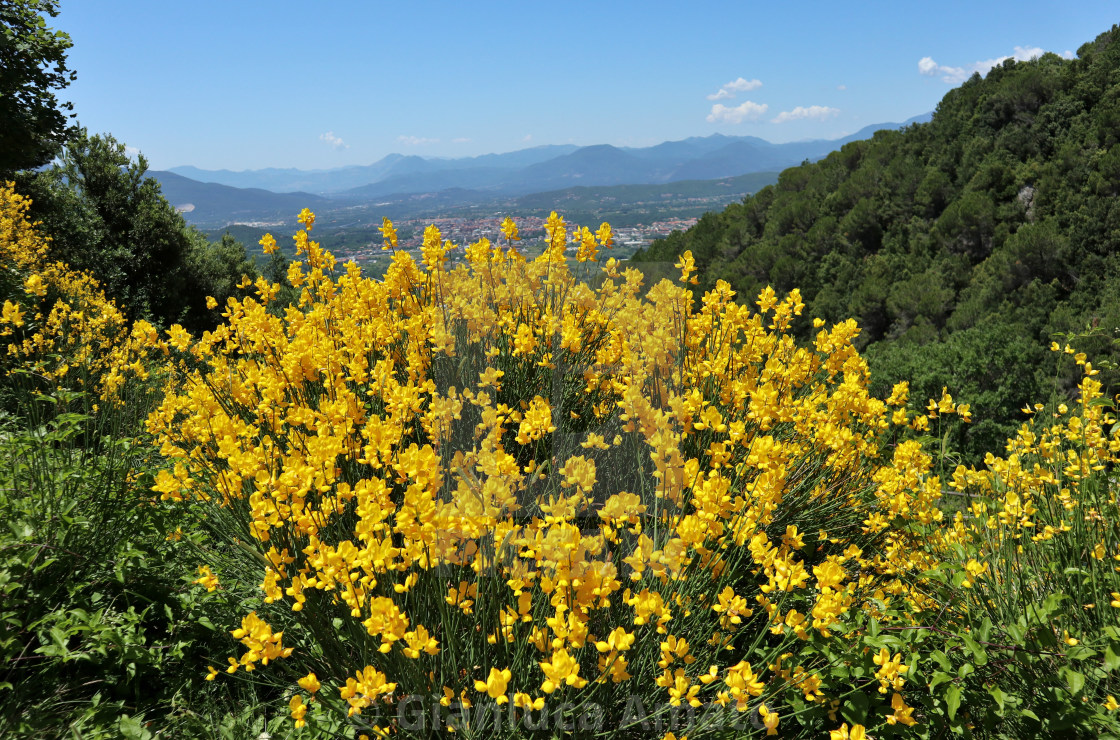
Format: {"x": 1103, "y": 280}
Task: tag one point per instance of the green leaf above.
{"x": 953, "y": 701}
{"x": 132, "y": 728}
{"x": 985, "y": 631}
{"x": 855, "y": 708}
{"x": 1111, "y": 658}
{"x": 979, "y": 654}
{"x": 999, "y": 697}
{"x": 939, "y": 677}
{"x": 942, "y": 660}
{"x": 1075, "y": 680}
{"x": 1080, "y": 652}
{"x": 1050, "y": 605}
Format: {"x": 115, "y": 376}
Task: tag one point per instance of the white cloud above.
{"x": 952, "y": 75}
{"x": 461, "y": 140}
{"x": 416, "y": 140}
{"x": 747, "y": 111}
{"x": 813, "y": 111}
{"x": 742, "y": 85}
{"x": 527, "y": 138}
{"x": 841, "y": 87}
{"x": 735, "y": 86}
{"x": 333, "y": 140}
{"x": 955, "y": 75}
{"x": 131, "y": 152}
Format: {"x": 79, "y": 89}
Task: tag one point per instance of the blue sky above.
{"x": 246, "y": 84}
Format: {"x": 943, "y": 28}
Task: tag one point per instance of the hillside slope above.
{"x": 963, "y": 245}
{"x": 209, "y": 203}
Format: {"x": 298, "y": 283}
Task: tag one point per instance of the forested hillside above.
{"x": 962, "y": 246}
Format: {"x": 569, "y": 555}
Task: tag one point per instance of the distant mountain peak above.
{"x": 539, "y": 168}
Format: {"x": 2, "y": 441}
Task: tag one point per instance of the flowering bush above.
{"x": 497, "y": 486}
{"x": 509, "y": 496}
{"x": 1032, "y": 579}
{"x": 56, "y": 324}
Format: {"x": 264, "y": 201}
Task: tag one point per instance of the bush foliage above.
{"x": 522, "y": 498}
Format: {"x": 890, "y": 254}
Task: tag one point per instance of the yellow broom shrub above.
{"x": 525, "y": 486}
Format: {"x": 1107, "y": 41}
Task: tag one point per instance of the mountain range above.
{"x": 209, "y": 196}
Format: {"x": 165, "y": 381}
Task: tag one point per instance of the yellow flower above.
{"x": 34, "y": 285}
{"x": 766, "y": 299}
{"x": 858, "y": 732}
{"x": 419, "y": 641}
{"x": 1111, "y": 704}
{"x": 899, "y": 394}
{"x": 524, "y": 343}
{"x": 769, "y": 719}
{"x": 388, "y": 235}
{"x": 268, "y": 243}
{"x": 307, "y": 218}
{"x": 687, "y": 266}
{"x": 974, "y": 570}
{"x": 672, "y": 649}
{"x": 901, "y": 712}
{"x": 562, "y": 669}
{"x": 299, "y": 710}
{"x": 310, "y": 683}
{"x": 525, "y": 701}
{"x": 890, "y": 671}
{"x": 743, "y": 683}
{"x": 509, "y": 230}
{"x": 619, "y": 639}
{"x": 206, "y": 578}
{"x": 12, "y": 314}
{"x": 495, "y": 685}
{"x": 604, "y": 235}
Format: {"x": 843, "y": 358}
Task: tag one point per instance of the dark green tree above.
{"x": 962, "y": 246}
{"x": 105, "y": 217}
{"x": 33, "y": 122}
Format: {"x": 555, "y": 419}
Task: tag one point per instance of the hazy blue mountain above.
{"x": 397, "y": 177}
{"x": 509, "y": 160}
{"x": 391, "y": 166}
{"x": 478, "y": 178}
{"x": 318, "y": 181}
{"x": 602, "y": 164}
{"x": 691, "y": 148}
{"x": 731, "y": 159}
{"x": 542, "y": 167}
{"x": 206, "y": 203}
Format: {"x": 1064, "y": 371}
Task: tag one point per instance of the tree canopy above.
{"x": 950, "y": 241}
{"x": 106, "y": 217}
{"x": 33, "y": 122}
